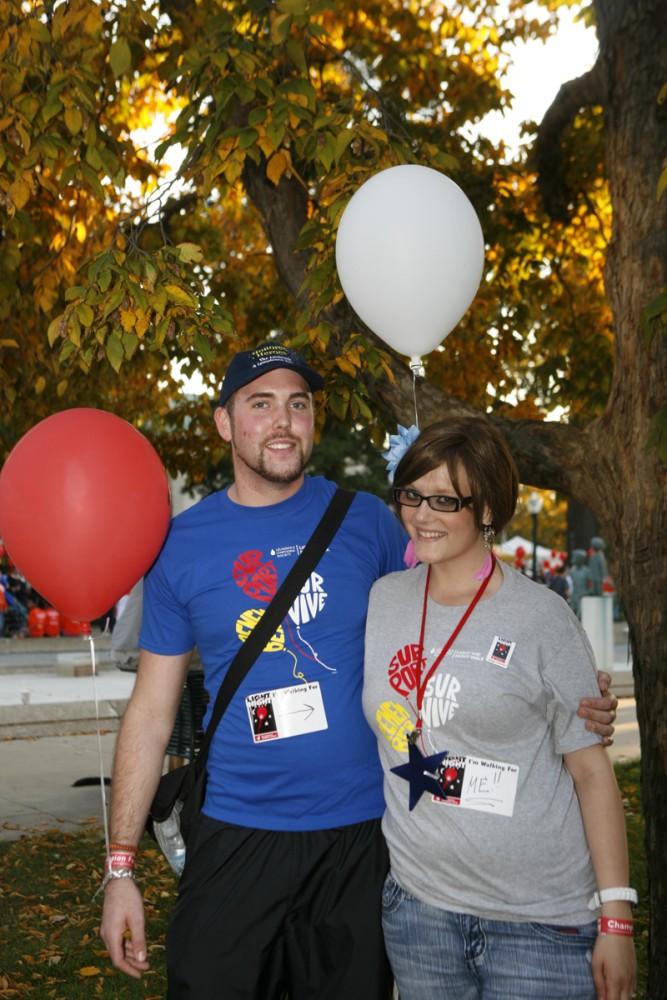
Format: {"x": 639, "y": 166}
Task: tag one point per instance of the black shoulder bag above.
{"x": 181, "y": 792}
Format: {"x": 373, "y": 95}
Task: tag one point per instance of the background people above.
{"x": 597, "y": 567}
{"x": 580, "y": 576}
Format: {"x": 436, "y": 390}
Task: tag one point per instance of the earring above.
{"x": 488, "y": 534}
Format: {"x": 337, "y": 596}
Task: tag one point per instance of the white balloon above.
{"x": 410, "y": 253}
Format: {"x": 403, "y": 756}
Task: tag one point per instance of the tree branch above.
{"x": 584, "y": 92}
{"x": 283, "y": 209}
{"x": 549, "y": 455}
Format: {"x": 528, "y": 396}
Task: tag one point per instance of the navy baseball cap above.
{"x": 246, "y": 366}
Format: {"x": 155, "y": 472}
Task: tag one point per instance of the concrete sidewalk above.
{"x": 37, "y": 792}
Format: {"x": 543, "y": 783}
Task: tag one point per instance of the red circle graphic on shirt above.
{"x": 257, "y": 579}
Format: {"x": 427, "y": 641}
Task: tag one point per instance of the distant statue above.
{"x": 597, "y": 565}
{"x": 580, "y": 576}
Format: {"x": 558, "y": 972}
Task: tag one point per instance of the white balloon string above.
{"x": 105, "y": 818}
{"x": 414, "y": 397}
{"x": 418, "y": 371}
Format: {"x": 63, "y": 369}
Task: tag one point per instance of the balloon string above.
{"x": 105, "y": 818}
{"x": 414, "y": 397}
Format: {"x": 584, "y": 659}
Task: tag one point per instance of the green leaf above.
{"x": 74, "y": 329}
{"x": 158, "y": 300}
{"x": 297, "y": 55}
{"x": 92, "y": 179}
{"x": 292, "y": 6}
{"x": 55, "y": 330}
{"x": 303, "y": 88}
{"x": 51, "y": 107}
{"x": 93, "y": 158}
{"x": 275, "y": 133}
{"x": 120, "y": 58}
{"x": 203, "y": 348}
{"x": 248, "y": 137}
{"x": 326, "y": 150}
{"x": 114, "y": 300}
{"x": 343, "y": 140}
{"x": 180, "y": 295}
{"x": 280, "y": 26}
{"x": 138, "y": 294}
{"x": 74, "y": 292}
{"x": 114, "y": 351}
{"x": 130, "y": 344}
{"x": 39, "y": 31}
{"x": 66, "y": 351}
{"x": 189, "y": 252}
{"x": 85, "y": 314}
{"x": 73, "y": 120}
{"x": 257, "y": 116}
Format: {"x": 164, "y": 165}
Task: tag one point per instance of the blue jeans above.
{"x": 440, "y": 955}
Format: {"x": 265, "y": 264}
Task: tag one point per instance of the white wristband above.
{"x": 618, "y": 894}
{"x": 113, "y": 873}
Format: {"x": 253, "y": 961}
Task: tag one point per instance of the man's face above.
{"x": 270, "y": 427}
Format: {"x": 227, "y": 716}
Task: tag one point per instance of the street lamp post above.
{"x": 535, "y": 504}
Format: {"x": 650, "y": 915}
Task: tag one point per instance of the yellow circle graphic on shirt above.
{"x": 394, "y": 723}
{"x": 246, "y": 623}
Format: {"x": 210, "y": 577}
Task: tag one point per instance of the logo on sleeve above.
{"x": 501, "y": 651}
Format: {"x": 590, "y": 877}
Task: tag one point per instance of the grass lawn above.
{"x": 49, "y": 923}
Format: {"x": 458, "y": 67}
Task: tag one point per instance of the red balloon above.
{"x": 84, "y": 509}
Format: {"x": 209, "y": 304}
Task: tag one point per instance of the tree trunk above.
{"x": 633, "y": 516}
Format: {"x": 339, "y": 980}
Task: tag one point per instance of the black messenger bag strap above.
{"x": 276, "y": 611}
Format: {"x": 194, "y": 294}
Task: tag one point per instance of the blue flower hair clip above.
{"x": 398, "y": 445}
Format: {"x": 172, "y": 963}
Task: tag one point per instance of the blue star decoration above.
{"x": 419, "y": 771}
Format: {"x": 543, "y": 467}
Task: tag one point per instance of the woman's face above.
{"x": 439, "y": 537}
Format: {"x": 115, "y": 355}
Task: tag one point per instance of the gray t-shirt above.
{"x": 505, "y": 840}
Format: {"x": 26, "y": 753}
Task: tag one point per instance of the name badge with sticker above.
{"x": 475, "y": 783}
{"x": 500, "y": 652}
{"x": 285, "y": 712}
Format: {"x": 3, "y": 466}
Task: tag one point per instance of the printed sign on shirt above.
{"x": 501, "y": 651}
{"x": 284, "y": 712}
{"x": 475, "y": 783}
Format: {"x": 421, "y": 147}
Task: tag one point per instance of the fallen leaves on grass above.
{"x": 49, "y": 923}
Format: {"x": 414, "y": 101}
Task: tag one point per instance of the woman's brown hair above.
{"x": 472, "y": 444}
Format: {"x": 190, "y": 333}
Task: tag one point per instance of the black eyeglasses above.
{"x": 440, "y": 503}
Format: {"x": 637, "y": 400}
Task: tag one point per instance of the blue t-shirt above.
{"x": 218, "y": 570}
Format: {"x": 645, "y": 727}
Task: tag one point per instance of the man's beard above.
{"x": 282, "y": 476}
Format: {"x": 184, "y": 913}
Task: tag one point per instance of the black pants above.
{"x": 263, "y": 915}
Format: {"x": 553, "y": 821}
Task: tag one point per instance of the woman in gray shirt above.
{"x": 509, "y": 871}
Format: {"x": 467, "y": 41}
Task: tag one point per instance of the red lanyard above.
{"x": 421, "y": 685}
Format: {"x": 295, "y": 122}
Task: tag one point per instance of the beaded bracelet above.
{"x": 129, "y": 848}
